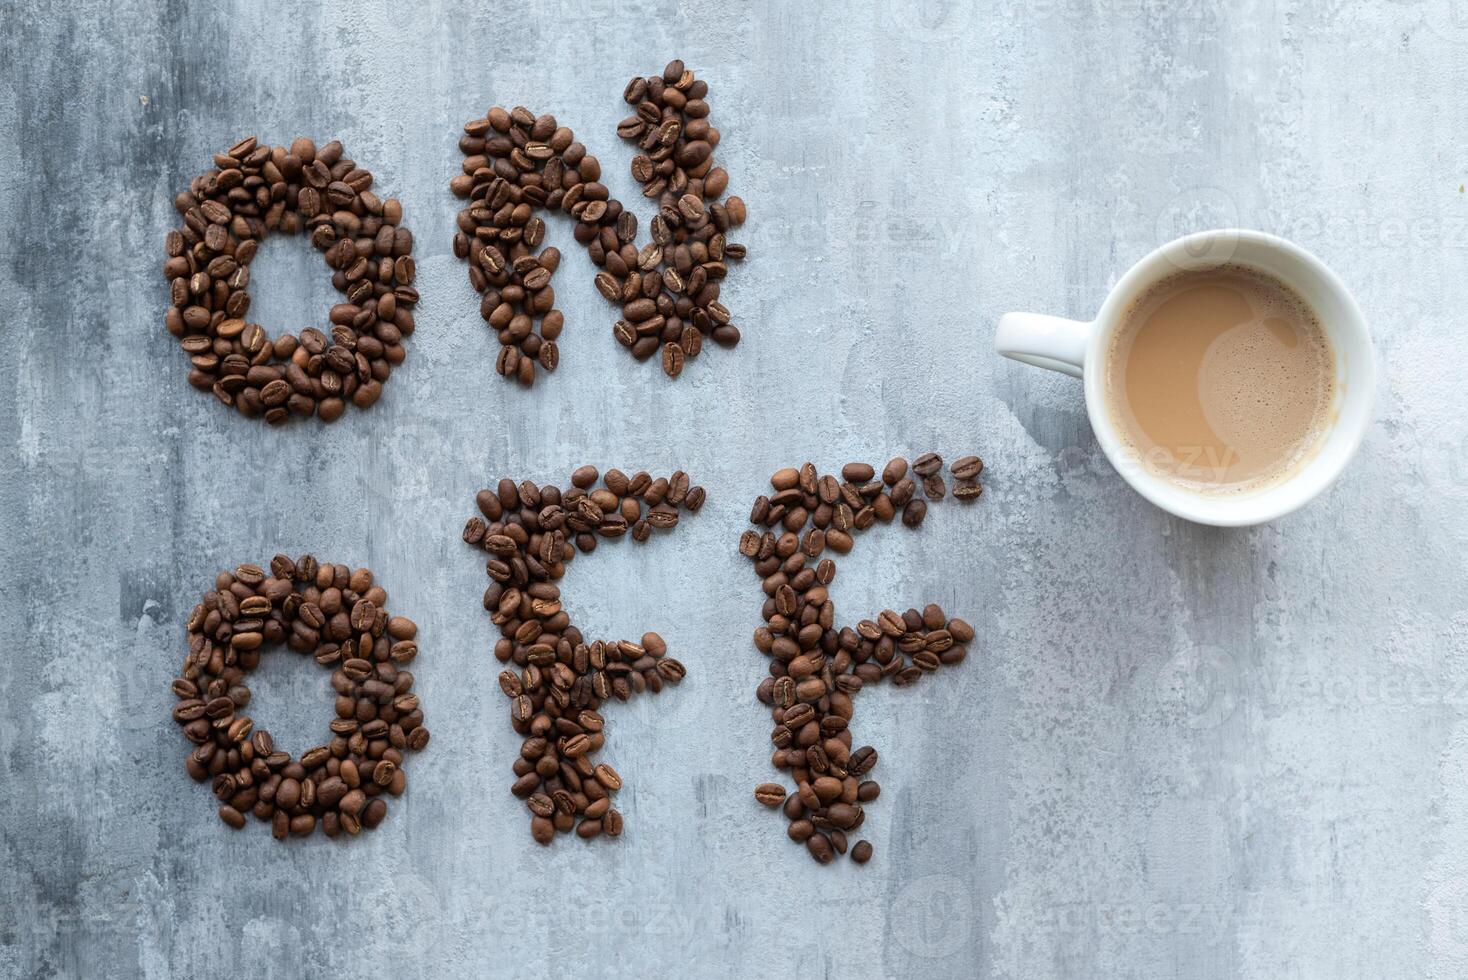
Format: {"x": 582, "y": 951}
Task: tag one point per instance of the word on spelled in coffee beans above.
{"x": 338, "y": 617}
{"x": 555, "y": 679}
{"x": 817, "y": 668}
{"x": 255, "y": 190}
{"x": 517, "y": 164}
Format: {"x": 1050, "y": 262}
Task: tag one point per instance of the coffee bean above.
{"x": 557, "y": 680}
{"x": 844, "y": 815}
{"x": 891, "y": 623}
{"x": 770, "y": 794}
{"x": 785, "y": 479}
{"x": 517, "y": 165}
{"x": 672, "y": 360}
{"x": 337, "y": 617}
{"x": 968, "y": 491}
{"x": 817, "y": 667}
{"x": 967, "y": 468}
{"x": 927, "y": 464}
{"x": 226, "y": 212}
{"x": 608, "y": 777}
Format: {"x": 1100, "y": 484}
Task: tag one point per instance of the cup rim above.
{"x": 1273, "y": 501}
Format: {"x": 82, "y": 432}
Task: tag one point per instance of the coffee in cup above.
{"x": 1220, "y": 379}
{"x": 1228, "y": 375}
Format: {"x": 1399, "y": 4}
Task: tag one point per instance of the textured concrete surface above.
{"x": 1180, "y": 751}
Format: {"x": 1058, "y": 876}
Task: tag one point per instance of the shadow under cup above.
{"x": 1339, "y": 319}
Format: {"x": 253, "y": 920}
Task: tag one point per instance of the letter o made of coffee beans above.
{"x": 555, "y": 679}
{"x": 518, "y": 165}
{"x": 255, "y": 190}
{"x": 337, "y": 617}
{"x": 817, "y": 668}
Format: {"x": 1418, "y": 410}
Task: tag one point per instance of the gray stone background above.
{"x": 1177, "y": 751}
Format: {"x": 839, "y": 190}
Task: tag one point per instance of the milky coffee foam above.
{"x": 1221, "y": 380}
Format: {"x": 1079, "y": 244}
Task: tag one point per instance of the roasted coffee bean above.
{"x": 927, "y": 464}
{"x": 518, "y": 165}
{"x": 967, "y": 468}
{"x": 902, "y": 491}
{"x": 770, "y": 794}
{"x": 226, "y": 212}
{"x": 556, "y": 679}
{"x": 817, "y": 667}
{"x": 672, "y": 360}
{"x": 608, "y": 777}
{"x": 337, "y": 617}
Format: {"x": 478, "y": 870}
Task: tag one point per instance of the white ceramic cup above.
{"x": 1080, "y": 349}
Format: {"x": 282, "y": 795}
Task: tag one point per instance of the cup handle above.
{"x": 1044, "y": 341}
